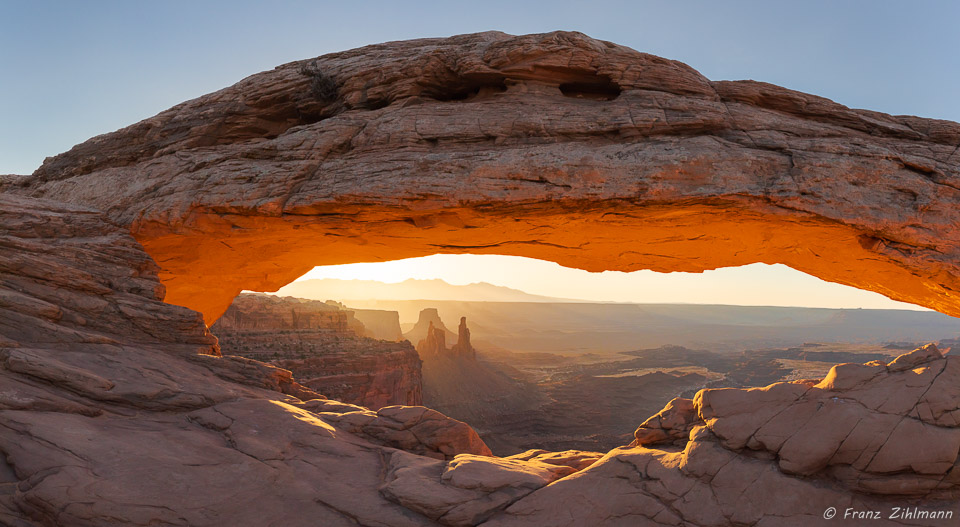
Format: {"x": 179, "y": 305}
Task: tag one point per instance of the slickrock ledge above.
{"x": 553, "y": 146}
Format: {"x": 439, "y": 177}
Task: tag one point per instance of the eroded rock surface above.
{"x": 553, "y": 146}
{"x": 869, "y": 437}
{"x": 322, "y": 345}
{"x": 466, "y": 490}
{"x": 414, "y": 429}
{"x": 116, "y": 409}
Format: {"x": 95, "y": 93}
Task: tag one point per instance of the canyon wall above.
{"x": 322, "y": 345}
{"x": 254, "y": 312}
{"x": 380, "y": 324}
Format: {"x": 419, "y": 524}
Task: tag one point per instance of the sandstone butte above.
{"x": 117, "y": 408}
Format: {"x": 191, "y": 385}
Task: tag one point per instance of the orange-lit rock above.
{"x": 552, "y": 146}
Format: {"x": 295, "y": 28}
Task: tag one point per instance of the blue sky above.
{"x": 72, "y": 70}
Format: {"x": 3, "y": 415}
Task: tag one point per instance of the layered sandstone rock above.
{"x": 320, "y": 344}
{"x": 414, "y": 429}
{"x": 258, "y": 312}
{"x": 380, "y": 324}
{"x": 377, "y": 323}
{"x": 553, "y": 146}
{"x": 868, "y": 437}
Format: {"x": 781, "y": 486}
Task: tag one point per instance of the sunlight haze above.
{"x": 755, "y": 284}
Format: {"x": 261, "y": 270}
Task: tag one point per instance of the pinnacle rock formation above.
{"x": 434, "y": 344}
{"x": 463, "y": 349}
{"x": 554, "y": 146}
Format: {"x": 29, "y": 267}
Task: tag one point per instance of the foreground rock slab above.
{"x": 871, "y": 437}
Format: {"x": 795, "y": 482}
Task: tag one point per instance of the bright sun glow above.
{"x": 756, "y": 284}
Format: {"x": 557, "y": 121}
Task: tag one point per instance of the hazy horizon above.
{"x": 758, "y": 285}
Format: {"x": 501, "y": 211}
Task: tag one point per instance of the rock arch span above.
{"x": 553, "y": 146}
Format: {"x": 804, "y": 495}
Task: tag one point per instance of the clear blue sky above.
{"x": 72, "y": 70}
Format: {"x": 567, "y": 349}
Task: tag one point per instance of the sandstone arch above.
{"x": 553, "y": 146}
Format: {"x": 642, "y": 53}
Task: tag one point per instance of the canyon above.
{"x": 325, "y": 347}
{"x": 117, "y": 406}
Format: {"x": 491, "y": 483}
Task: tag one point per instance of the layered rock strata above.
{"x": 869, "y": 437}
{"x": 320, "y": 344}
{"x": 117, "y": 409}
{"x": 380, "y": 324}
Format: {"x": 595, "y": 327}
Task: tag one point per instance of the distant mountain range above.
{"x": 412, "y": 289}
